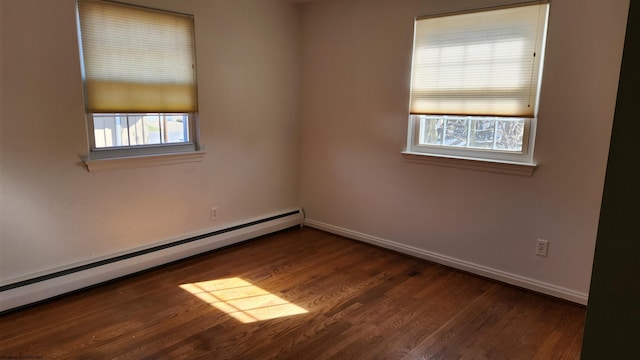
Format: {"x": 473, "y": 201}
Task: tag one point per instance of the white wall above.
{"x": 54, "y": 213}
{"x": 356, "y": 67}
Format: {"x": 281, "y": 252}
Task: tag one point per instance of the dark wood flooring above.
{"x": 344, "y": 300}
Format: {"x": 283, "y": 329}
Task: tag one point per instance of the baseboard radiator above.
{"x": 19, "y": 293}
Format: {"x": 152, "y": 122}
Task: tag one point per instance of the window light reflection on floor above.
{"x": 242, "y": 300}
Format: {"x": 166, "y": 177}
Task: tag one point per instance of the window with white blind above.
{"x": 138, "y": 69}
{"x": 475, "y": 83}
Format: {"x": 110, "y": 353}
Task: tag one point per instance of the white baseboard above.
{"x": 37, "y": 287}
{"x": 495, "y": 274}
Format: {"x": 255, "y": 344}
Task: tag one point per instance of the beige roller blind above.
{"x": 480, "y": 63}
{"x": 136, "y": 60}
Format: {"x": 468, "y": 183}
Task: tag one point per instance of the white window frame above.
{"x": 133, "y": 156}
{"x": 520, "y": 162}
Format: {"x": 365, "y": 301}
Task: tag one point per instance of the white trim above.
{"x": 495, "y": 274}
{"x": 132, "y": 162}
{"x": 496, "y": 166}
{"x": 45, "y": 289}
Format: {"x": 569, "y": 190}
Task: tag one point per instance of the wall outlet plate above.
{"x": 542, "y": 247}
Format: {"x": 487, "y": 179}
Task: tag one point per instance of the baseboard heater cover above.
{"x": 38, "y": 288}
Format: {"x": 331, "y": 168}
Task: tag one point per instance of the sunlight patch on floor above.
{"x": 242, "y": 300}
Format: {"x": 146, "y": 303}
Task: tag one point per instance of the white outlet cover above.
{"x": 542, "y": 247}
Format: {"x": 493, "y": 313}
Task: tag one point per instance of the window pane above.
{"x": 509, "y": 135}
{"x": 151, "y": 129}
{"x": 471, "y": 132}
{"x": 176, "y": 128}
{"x": 115, "y": 130}
{"x": 136, "y": 135}
{"x": 105, "y": 131}
{"x": 431, "y": 130}
{"x": 456, "y": 131}
{"x": 122, "y": 131}
{"x": 482, "y": 133}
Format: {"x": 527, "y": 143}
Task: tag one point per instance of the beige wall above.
{"x": 356, "y": 66}
{"x": 345, "y": 169}
{"x": 55, "y": 213}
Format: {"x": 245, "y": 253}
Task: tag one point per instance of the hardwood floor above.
{"x": 350, "y": 300}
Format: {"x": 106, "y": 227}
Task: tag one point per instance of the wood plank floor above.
{"x": 344, "y": 300}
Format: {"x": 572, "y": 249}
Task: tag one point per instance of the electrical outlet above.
{"x": 214, "y": 213}
{"x": 542, "y": 247}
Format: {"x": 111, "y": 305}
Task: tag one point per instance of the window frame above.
{"x": 132, "y": 156}
{"x": 495, "y": 160}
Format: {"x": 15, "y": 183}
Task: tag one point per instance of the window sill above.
{"x": 496, "y": 166}
{"x": 132, "y": 162}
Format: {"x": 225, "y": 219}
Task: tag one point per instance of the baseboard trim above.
{"x": 491, "y": 273}
{"x": 38, "y": 287}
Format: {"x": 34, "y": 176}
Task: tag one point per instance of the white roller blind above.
{"x": 136, "y": 60}
{"x": 481, "y": 63}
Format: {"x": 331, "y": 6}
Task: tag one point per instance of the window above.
{"x": 475, "y": 83}
{"x": 138, "y": 69}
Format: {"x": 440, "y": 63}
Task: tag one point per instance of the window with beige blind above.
{"x": 476, "y": 81}
{"x": 138, "y": 69}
